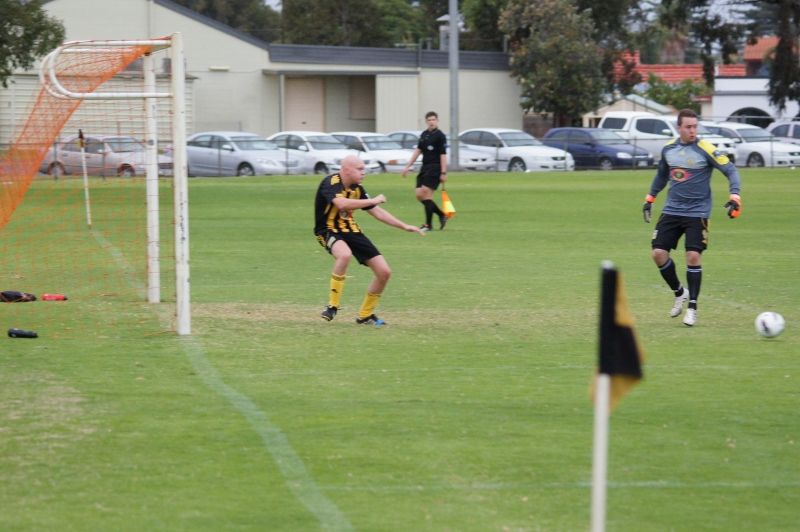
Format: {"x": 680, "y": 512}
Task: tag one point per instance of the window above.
{"x": 653, "y": 126}
{"x": 796, "y": 132}
{"x": 203, "y": 141}
{"x": 613, "y": 123}
{"x": 781, "y": 131}
{"x": 471, "y": 137}
{"x": 558, "y": 135}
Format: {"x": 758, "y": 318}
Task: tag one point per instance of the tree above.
{"x": 481, "y": 18}
{"x": 679, "y": 96}
{"x": 334, "y": 23}
{"x": 253, "y": 17}
{"x": 26, "y": 33}
{"x": 554, "y": 57}
{"x": 784, "y": 77}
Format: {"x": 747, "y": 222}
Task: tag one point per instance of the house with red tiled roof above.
{"x": 675, "y": 73}
{"x": 756, "y": 55}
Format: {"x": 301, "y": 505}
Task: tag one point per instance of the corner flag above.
{"x": 618, "y": 370}
{"x": 620, "y": 352}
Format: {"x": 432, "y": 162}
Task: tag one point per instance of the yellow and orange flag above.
{"x": 447, "y": 205}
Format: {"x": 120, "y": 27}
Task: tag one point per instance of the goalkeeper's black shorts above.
{"x": 670, "y": 228}
{"x": 362, "y": 247}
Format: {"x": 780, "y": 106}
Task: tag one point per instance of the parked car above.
{"x": 468, "y": 159}
{"x": 227, "y": 153}
{"x": 105, "y": 156}
{"x": 786, "y": 131}
{"x": 651, "y": 132}
{"x": 598, "y": 148}
{"x": 755, "y": 146}
{"x": 517, "y": 151}
{"x": 389, "y": 154}
{"x": 319, "y": 153}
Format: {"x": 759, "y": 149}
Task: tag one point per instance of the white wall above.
{"x": 734, "y": 94}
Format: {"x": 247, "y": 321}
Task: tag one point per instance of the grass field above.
{"x": 469, "y": 411}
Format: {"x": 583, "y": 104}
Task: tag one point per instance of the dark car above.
{"x": 598, "y": 148}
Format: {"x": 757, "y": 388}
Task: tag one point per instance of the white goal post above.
{"x": 174, "y": 43}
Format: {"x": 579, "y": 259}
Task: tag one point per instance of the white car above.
{"x": 389, "y": 154}
{"x": 755, "y": 146}
{"x": 227, "y": 153}
{"x": 104, "y": 155}
{"x": 786, "y": 131}
{"x": 517, "y": 151}
{"x": 319, "y": 153}
{"x": 468, "y": 159}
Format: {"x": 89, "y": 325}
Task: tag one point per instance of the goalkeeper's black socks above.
{"x": 671, "y": 277}
{"x": 694, "y": 277}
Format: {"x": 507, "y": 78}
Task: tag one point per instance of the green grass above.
{"x": 469, "y": 411}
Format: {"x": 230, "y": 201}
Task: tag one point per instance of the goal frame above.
{"x": 174, "y": 43}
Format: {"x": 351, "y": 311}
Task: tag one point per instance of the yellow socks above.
{"x": 368, "y": 306}
{"x": 337, "y": 287}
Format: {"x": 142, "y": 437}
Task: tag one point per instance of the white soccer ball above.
{"x": 769, "y": 324}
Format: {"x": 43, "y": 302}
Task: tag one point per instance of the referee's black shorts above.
{"x": 362, "y": 247}
{"x": 430, "y": 176}
{"x": 670, "y": 228}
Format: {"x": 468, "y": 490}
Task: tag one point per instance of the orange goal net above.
{"x": 93, "y": 182}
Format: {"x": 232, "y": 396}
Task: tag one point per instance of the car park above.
{"x": 598, "y": 148}
{"x": 516, "y": 150}
{"x": 320, "y": 153}
{"x": 388, "y": 153}
{"x": 786, "y": 131}
{"x": 755, "y": 146}
{"x": 236, "y": 153}
{"x": 468, "y": 159}
{"x": 116, "y": 155}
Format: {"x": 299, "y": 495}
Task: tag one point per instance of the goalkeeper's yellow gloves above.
{"x": 647, "y": 208}
{"x": 734, "y": 206}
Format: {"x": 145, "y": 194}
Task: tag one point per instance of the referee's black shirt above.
{"x": 432, "y": 144}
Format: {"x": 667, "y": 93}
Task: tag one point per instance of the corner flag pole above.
{"x": 600, "y": 452}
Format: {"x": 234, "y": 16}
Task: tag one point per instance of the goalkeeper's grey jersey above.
{"x": 688, "y": 168}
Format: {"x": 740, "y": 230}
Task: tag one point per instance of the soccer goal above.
{"x": 86, "y": 171}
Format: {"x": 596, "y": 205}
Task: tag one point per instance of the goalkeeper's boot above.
{"x": 425, "y": 228}
{"x": 372, "y": 319}
{"x": 442, "y": 221}
{"x": 691, "y": 317}
{"x": 329, "y": 313}
{"x": 680, "y": 300}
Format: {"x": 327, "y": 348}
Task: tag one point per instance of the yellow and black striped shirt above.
{"x": 327, "y": 217}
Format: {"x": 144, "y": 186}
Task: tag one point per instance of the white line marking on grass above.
{"x": 499, "y": 486}
{"x": 291, "y": 466}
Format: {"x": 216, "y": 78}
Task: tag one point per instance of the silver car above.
{"x": 104, "y": 155}
{"x": 235, "y": 153}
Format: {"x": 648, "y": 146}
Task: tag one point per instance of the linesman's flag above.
{"x": 621, "y": 355}
{"x": 447, "y": 205}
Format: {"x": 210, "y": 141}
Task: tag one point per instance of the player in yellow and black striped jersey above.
{"x": 337, "y": 231}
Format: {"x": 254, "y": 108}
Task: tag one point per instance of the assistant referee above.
{"x": 433, "y": 147}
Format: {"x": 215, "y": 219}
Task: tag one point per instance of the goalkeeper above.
{"x": 686, "y": 164}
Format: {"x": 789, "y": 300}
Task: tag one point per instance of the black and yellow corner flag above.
{"x": 621, "y": 356}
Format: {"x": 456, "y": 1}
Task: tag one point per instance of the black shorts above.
{"x": 363, "y": 249}
{"x": 670, "y": 228}
{"x": 429, "y": 175}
